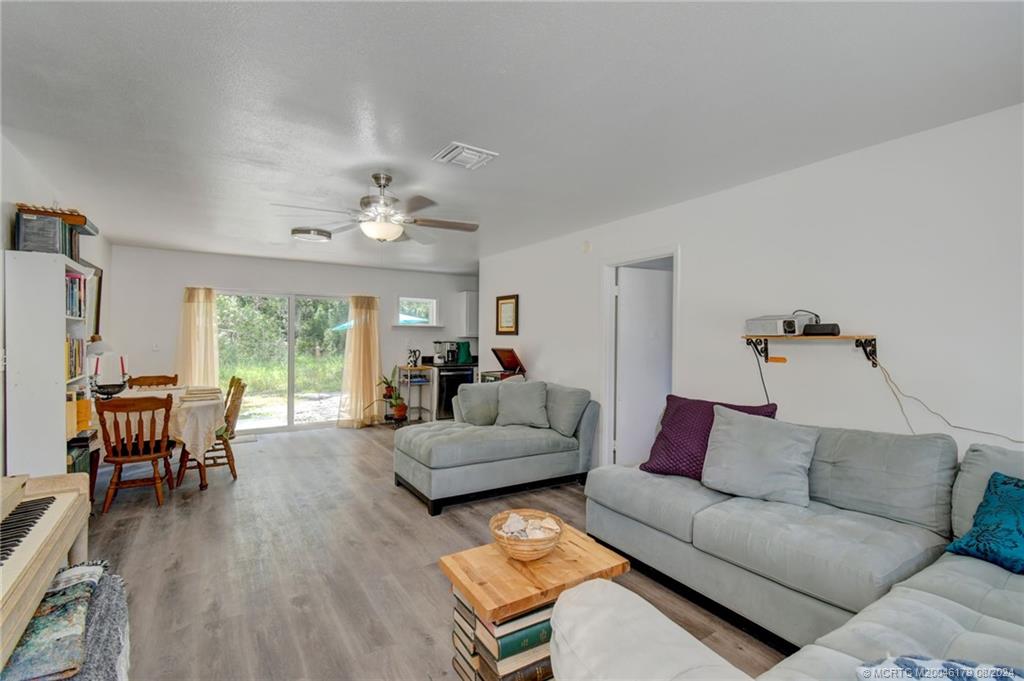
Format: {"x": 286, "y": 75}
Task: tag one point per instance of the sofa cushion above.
{"x": 565, "y": 407}
{"x": 979, "y": 463}
{"x": 996, "y": 535}
{"x": 522, "y": 404}
{"x": 479, "y": 403}
{"x": 845, "y": 558}
{"x": 682, "y": 442}
{"x": 903, "y": 477}
{"x": 959, "y": 607}
{"x": 664, "y": 502}
{"x": 595, "y": 623}
{"x": 752, "y": 456}
{"x": 445, "y": 444}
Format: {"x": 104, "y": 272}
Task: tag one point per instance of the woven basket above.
{"x": 525, "y": 549}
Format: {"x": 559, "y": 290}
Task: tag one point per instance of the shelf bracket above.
{"x": 760, "y": 346}
{"x": 870, "y": 348}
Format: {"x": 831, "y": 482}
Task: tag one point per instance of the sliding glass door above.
{"x": 320, "y": 325}
{"x": 289, "y": 350}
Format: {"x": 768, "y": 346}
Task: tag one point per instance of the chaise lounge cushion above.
{"x": 845, "y": 558}
{"x": 522, "y": 404}
{"x": 565, "y": 407}
{"x": 445, "y": 444}
{"x": 664, "y": 502}
{"x": 908, "y": 478}
{"x": 479, "y": 403}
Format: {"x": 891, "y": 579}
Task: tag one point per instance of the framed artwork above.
{"x": 93, "y": 298}
{"x": 507, "y": 316}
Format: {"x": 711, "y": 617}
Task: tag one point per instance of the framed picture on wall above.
{"x": 507, "y": 316}
{"x": 93, "y": 298}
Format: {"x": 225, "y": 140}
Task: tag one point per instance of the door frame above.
{"x": 606, "y": 454}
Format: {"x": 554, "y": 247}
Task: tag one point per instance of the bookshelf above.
{"x": 46, "y": 336}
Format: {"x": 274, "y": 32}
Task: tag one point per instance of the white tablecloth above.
{"x": 193, "y": 423}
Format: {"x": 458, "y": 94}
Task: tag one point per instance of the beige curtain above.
{"x": 197, "y": 342}
{"x": 362, "y": 367}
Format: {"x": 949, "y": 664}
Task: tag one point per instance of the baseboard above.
{"x": 435, "y": 506}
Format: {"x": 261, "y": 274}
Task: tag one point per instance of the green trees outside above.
{"x": 253, "y": 339}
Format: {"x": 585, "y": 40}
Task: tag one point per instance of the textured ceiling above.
{"x": 176, "y": 125}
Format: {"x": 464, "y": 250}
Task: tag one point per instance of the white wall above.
{"x": 147, "y": 285}
{"x": 24, "y": 182}
{"x": 918, "y": 240}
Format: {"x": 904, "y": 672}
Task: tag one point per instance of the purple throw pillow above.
{"x": 682, "y": 442}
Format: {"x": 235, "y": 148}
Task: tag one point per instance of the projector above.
{"x": 779, "y": 324}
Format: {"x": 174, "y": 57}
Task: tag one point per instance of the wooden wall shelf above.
{"x": 867, "y": 343}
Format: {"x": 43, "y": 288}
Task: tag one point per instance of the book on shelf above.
{"x": 539, "y": 670}
{"x": 74, "y": 357}
{"x": 515, "y": 642}
{"x": 74, "y": 294}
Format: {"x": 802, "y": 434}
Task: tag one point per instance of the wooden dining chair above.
{"x": 234, "y": 381}
{"x": 135, "y": 431}
{"x": 154, "y": 381}
{"x": 220, "y": 454}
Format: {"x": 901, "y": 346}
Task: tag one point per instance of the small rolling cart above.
{"x": 416, "y": 377}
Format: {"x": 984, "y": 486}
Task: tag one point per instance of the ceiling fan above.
{"x": 382, "y": 217}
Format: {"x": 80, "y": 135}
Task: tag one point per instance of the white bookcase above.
{"x": 36, "y": 326}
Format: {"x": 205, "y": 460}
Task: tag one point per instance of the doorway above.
{"x": 643, "y": 310}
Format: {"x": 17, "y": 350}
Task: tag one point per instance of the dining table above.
{"x": 195, "y": 418}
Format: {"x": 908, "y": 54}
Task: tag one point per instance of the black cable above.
{"x": 760, "y": 371}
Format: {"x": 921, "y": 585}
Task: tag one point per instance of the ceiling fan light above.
{"x": 311, "y": 234}
{"x": 381, "y": 230}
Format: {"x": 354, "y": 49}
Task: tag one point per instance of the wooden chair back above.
{"x": 155, "y": 381}
{"x": 233, "y": 409}
{"x": 126, "y": 437}
{"x": 235, "y": 380}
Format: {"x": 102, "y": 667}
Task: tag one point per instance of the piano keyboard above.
{"x": 17, "y": 525}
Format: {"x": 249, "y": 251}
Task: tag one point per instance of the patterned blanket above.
{"x": 53, "y": 645}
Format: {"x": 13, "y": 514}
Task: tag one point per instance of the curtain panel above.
{"x": 197, "y": 341}
{"x": 361, "y": 372}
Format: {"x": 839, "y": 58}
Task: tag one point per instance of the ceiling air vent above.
{"x": 464, "y": 156}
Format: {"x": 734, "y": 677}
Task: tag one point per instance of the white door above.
{"x": 643, "y": 359}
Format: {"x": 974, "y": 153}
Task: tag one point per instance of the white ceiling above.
{"x": 176, "y": 125}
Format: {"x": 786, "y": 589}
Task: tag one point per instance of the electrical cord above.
{"x": 760, "y": 371}
{"x": 817, "y": 317}
{"x": 897, "y": 391}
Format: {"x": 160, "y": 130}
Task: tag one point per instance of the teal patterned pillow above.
{"x": 998, "y": 532}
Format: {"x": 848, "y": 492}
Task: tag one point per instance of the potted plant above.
{"x": 392, "y": 395}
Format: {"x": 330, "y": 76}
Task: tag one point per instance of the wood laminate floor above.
{"x": 313, "y": 565}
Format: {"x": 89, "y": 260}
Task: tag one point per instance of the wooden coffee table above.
{"x": 497, "y": 596}
{"x": 500, "y": 588}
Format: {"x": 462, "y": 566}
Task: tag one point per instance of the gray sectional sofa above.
{"x": 803, "y": 573}
{"x": 447, "y": 462}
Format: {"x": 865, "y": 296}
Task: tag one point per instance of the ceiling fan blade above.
{"x": 417, "y": 203}
{"x": 446, "y": 224}
{"x": 419, "y": 235}
{"x": 344, "y": 228}
{"x": 322, "y": 210}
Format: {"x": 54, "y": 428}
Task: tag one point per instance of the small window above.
{"x": 417, "y": 311}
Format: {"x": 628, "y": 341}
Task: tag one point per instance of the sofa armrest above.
{"x": 601, "y": 631}
{"x": 457, "y": 410}
{"x": 586, "y": 434}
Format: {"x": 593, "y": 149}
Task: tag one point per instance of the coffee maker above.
{"x": 446, "y": 352}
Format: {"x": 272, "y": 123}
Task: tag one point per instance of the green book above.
{"x": 515, "y": 642}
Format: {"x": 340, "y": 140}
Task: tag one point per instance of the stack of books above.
{"x": 515, "y": 650}
{"x": 74, "y": 357}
